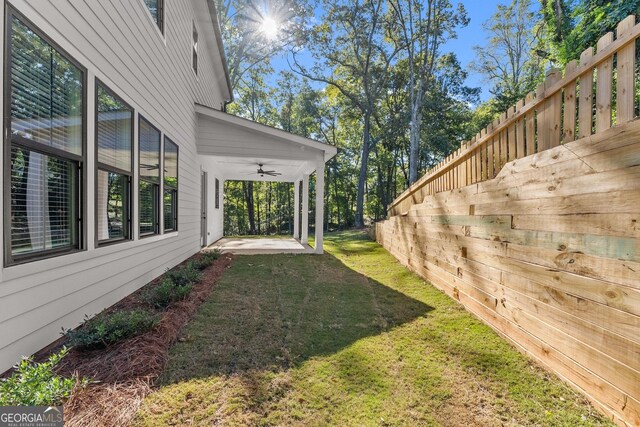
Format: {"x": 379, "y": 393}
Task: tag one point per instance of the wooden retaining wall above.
{"x": 534, "y": 226}
{"x": 548, "y": 254}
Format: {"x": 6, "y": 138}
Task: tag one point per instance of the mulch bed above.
{"x": 124, "y": 373}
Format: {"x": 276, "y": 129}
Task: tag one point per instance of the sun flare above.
{"x": 269, "y": 27}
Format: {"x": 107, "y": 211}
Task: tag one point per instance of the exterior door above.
{"x": 203, "y": 210}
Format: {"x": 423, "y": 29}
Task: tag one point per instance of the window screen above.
{"x": 148, "y": 208}
{"x": 44, "y": 146}
{"x": 46, "y": 93}
{"x": 217, "y": 194}
{"x": 149, "y": 138}
{"x": 195, "y": 48}
{"x": 114, "y": 127}
{"x": 114, "y": 137}
{"x": 113, "y": 206}
{"x": 149, "y": 146}
{"x": 43, "y": 202}
{"x": 170, "y": 197}
{"x": 156, "y": 8}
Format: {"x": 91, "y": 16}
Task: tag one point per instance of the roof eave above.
{"x": 329, "y": 151}
{"x": 216, "y": 28}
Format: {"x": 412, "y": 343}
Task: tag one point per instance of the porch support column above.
{"x": 305, "y": 210}
{"x": 319, "y": 206}
{"x": 296, "y": 209}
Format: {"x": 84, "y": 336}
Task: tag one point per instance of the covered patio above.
{"x": 261, "y": 246}
{"x": 233, "y": 148}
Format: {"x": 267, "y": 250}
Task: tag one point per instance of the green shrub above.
{"x": 205, "y": 259}
{"x": 165, "y": 293}
{"x": 36, "y": 384}
{"x": 183, "y": 276}
{"x": 107, "y": 328}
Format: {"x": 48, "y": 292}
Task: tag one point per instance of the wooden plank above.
{"x": 569, "y": 122}
{"x": 469, "y": 170}
{"x": 604, "y": 87}
{"x": 520, "y": 132}
{"x": 625, "y": 324}
{"x": 530, "y": 127}
{"x": 622, "y": 248}
{"x": 625, "y": 105}
{"x": 615, "y": 202}
{"x": 542, "y": 124}
{"x": 585, "y": 106}
{"x": 491, "y": 160}
{"x": 616, "y": 296}
{"x": 472, "y": 220}
{"x": 553, "y": 112}
{"x": 511, "y": 136}
{"x": 625, "y": 273}
{"x": 543, "y": 186}
{"x": 504, "y": 145}
{"x": 603, "y": 224}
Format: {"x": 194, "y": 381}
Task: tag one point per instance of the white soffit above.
{"x": 225, "y": 135}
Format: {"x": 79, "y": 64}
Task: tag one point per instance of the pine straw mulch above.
{"x": 124, "y": 373}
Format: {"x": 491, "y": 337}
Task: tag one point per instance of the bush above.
{"x": 165, "y": 293}
{"x": 183, "y": 276}
{"x": 36, "y": 384}
{"x": 108, "y": 328}
{"x": 205, "y": 259}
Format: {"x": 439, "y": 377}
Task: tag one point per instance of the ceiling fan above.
{"x": 263, "y": 172}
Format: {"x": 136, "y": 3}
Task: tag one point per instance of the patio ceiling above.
{"x": 237, "y": 146}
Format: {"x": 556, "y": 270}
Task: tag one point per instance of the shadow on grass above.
{"x": 275, "y": 312}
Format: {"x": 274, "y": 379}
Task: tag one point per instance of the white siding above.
{"x": 117, "y": 41}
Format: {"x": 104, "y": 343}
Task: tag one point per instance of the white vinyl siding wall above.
{"x": 119, "y": 44}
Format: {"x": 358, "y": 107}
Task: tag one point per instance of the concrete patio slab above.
{"x": 261, "y": 246}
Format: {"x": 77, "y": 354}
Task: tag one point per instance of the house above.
{"x": 115, "y": 154}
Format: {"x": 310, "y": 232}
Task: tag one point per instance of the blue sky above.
{"x": 478, "y": 11}
{"x": 472, "y": 35}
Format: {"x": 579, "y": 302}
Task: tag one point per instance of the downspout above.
{"x": 225, "y": 103}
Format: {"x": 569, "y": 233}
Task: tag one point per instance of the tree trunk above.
{"x": 258, "y": 209}
{"x": 414, "y": 136}
{"x": 248, "y": 193}
{"x": 337, "y": 202}
{"x": 359, "y": 220}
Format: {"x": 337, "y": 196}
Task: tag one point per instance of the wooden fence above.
{"x": 535, "y": 226}
{"x": 561, "y": 110}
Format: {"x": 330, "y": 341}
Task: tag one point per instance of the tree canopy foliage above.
{"x": 374, "y": 78}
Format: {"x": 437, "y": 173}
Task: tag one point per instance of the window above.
{"x": 44, "y": 147}
{"x": 195, "y": 48}
{"x": 156, "y": 8}
{"x": 149, "y": 167}
{"x": 170, "y": 197}
{"x": 114, "y": 140}
{"x": 217, "y": 194}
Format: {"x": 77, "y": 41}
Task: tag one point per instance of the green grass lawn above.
{"x": 350, "y": 338}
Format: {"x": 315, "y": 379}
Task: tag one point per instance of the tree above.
{"x": 254, "y": 32}
{"x": 350, "y": 44}
{"x": 570, "y": 27}
{"x": 419, "y": 29}
{"x": 507, "y": 61}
